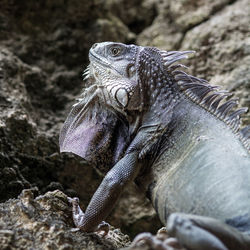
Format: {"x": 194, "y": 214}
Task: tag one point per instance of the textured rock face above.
{"x": 223, "y": 48}
{"x": 43, "y": 51}
{"x": 43, "y": 223}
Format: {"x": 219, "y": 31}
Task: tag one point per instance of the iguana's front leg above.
{"x": 107, "y": 194}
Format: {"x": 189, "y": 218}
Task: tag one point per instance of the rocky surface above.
{"x": 44, "y": 223}
{"x": 43, "y": 51}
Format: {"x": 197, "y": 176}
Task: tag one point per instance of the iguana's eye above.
{"x": 115, "y": 51}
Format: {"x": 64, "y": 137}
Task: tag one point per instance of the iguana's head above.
{"x": 113, "y": 61}
{"x": 114, "y": 67}
{"x": 131, "y": 77}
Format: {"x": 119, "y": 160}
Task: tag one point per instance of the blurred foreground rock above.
{"x": 46, "y": 223}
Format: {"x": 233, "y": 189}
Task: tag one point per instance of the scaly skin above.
{"x": 168, "y": 134}
{"x": 212, "y": 165}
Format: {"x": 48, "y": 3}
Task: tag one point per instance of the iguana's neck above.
{"x": 161, "y": 94}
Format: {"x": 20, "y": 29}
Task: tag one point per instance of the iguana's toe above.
{"x": 103, "y": 228}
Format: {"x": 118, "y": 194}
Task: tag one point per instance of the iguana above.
{"x": 141, "y": 118}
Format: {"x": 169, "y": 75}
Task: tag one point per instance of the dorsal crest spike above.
{"x": 170, "y": 57}
{"x": 208, "y": 101}
{"x": 176, "y": 66}
{"x": 86, "y": 73}
{"x": 226, "y": 107}
{"x": 204, "y": 94}
{"x": 237, "y": 113}
{"x": 216, "y": 103}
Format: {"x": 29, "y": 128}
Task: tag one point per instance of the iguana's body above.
{"x": 203, "y": 169}
{"x": 171, "y": 136}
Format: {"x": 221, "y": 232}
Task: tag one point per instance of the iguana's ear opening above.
{"x": 94, "y": 133}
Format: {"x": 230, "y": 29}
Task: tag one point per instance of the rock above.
{"x": 188, "y": 14}
{"x": 134, "y": 213}
{"x": 174, "y": 19}
{"x": 45, "y": 222}
{"x": 160, "y": 34}
{"x": 223, "y": 50}
{"x": 139, "y": 14}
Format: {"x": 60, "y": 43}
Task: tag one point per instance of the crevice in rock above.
{"x": 138, "y": 26}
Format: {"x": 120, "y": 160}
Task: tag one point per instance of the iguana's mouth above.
{"x": 99, "y": 62}
{"x": 96, "y": 58}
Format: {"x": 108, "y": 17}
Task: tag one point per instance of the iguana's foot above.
{"x": 192, "y": 236}
{"x": 159, "y": 242}
{"x": 78, "y": 217}
{"x": 103, "y": 228}
{"x": 77, "y": 213}
{"x": 199, "y": 232}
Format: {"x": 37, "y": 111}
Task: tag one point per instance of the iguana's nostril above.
{"x": 94, "y": 45}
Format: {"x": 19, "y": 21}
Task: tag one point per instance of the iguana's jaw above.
{"x": 94, "y": 57}
{"x": 100, "y": 67}
{"x": 115, "y": 74}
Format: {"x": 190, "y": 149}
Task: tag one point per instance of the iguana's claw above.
{"x": 78, "y": 214}
{"x": 74, "y": 229}
{"x": 78, "y": 217}
{"x": 162, "y": 234}
{"x": 103, "y": 227}
{"x": 74, "y": 200}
